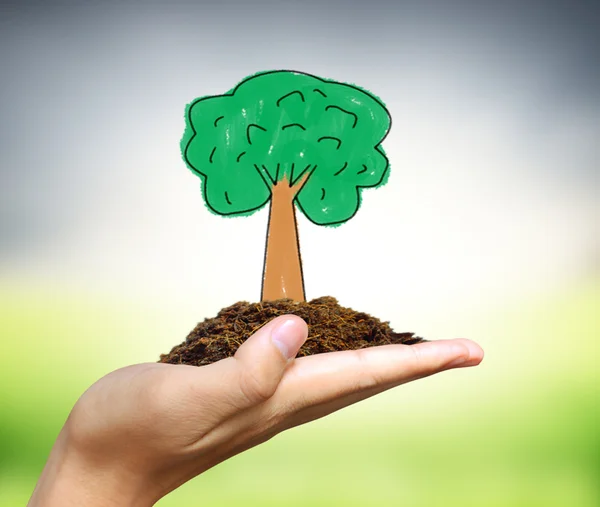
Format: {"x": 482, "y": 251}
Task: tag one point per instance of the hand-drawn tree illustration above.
{"x": 291, "y": 139}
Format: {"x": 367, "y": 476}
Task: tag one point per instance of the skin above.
{"x": 144, "y": 430}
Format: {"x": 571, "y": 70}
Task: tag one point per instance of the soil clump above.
{"x": 331, "y": 328}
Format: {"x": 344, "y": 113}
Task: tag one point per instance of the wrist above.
{"x": 70, "y": 479}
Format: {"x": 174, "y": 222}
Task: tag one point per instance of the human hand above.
{"x": 144, "y": 430}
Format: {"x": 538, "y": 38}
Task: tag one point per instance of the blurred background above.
{"x": 487, "y": 229}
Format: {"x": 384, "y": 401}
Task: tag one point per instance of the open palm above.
{"x": 142, "y": 431}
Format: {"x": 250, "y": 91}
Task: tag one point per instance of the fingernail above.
{"x": 287, "y": 339}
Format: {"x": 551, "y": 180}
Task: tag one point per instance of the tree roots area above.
{"x": 331, "y": 328}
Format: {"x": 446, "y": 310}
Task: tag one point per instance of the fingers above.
{"x": 262, "y": 375}
{"x": 318, "y": 385}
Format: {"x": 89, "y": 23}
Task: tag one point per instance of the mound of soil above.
{"x": 331, "y": 327}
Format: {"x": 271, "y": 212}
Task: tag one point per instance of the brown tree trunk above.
{"x": 282, "y": 274}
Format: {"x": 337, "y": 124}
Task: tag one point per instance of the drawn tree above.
{"x": 291, "y": 139}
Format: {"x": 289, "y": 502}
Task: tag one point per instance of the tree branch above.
{"x": 301, "y": 180}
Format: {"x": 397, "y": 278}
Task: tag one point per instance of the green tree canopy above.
{"x": 283, "y": 124}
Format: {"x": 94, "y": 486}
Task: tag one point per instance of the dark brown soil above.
{"x": 331, "y": 327}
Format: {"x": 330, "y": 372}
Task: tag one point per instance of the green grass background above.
{"x": 523, "y": 429}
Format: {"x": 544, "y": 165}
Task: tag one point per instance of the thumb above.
{"x": 262, "y": 359}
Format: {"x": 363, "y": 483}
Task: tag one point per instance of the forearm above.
{"x": 68, "y": 481}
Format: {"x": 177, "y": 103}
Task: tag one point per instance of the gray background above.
{"x": 494, "y": 145}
